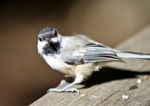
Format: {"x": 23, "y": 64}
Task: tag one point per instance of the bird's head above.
{"x": 50, "y": 35}
{"x": 49, "y": 40}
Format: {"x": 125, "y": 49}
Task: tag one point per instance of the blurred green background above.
{"x": 24, "y": 76}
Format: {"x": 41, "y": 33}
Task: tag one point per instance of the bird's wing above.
{"x": 81, "y": 50}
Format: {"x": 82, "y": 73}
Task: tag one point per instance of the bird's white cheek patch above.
{"x": 40, "y": 46}
{"x": 54, "y": 39}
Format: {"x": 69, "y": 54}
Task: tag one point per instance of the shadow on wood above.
{"x": 107, "y": 74}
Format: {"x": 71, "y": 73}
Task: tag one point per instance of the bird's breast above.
{"x": 56, "y": 63}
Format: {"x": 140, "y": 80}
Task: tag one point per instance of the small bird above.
{"x": 77, "y": 56}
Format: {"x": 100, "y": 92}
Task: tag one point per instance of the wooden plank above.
{"x": 105, "y": 88}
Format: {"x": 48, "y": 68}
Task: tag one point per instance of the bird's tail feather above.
{"x": 133, "y": 55}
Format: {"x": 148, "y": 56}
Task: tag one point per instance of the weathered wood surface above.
{"x": 105, "y": 88}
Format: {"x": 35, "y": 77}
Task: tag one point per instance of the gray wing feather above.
{"x": 84, "y": 50}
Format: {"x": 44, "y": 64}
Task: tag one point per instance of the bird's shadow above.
{"x": 107, "y": 74}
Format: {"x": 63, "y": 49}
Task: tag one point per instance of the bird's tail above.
{"x": 133, "y": 55}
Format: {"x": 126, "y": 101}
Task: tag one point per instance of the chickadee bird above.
{"x": 77, "y": 56}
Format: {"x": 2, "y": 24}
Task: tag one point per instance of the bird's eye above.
{"x": 55, "y": 34}
{"x": 40, "y": 39}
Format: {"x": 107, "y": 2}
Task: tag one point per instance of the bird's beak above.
{"x": 49, "y": 40}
